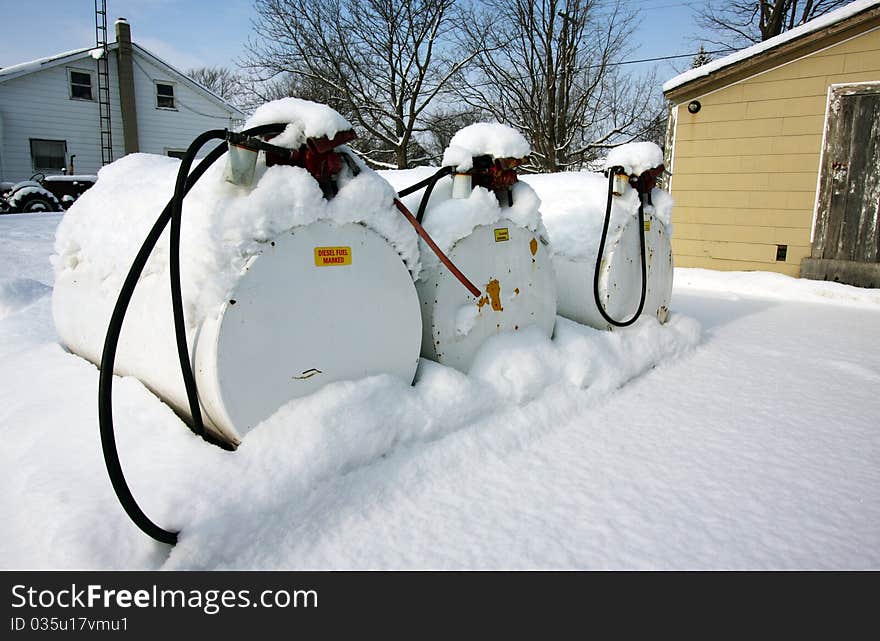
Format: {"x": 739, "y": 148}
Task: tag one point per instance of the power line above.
{"x": 670, "y": 5}
{"x": 611, "y": 64}
{"x": 652, "y": 4}
{"x": 680, "y": 55}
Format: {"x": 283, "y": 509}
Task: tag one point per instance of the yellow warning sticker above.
{"x": 501, "y": 234}
{"x": 330, "y": 256}
{"x": 647, "y": 225}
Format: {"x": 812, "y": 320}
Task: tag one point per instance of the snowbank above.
{"x": 18, "y": 293}
{"x": 227, "y": 504}
{"x": 481, "y": 139}
{"x": 573, "y": 210}
{"x": 775, "y": 286}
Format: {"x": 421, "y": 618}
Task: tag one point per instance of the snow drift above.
{"x": 747, "y": 440}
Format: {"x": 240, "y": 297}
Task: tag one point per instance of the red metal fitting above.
{"x": 317, "y": 157}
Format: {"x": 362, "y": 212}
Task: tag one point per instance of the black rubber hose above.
{"x": 189, "y": 380}
{"x": 111, "y": 342}
{"x": 443, "y": 171}
{"x": 611, "y": 173}
{"x": 423, "y": 205}
{"x": 180, "y": 190}
{"x": 108, "y": 358}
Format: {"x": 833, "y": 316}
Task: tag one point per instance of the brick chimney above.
{"x": 125, "y": 71}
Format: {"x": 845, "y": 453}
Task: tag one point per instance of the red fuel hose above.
{"x": 430, "y": 242}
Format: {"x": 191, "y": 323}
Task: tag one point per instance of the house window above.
{"x": 165, "y": 96}
{"x": 80, "y": 85}
{"x": 48, "y": 155}
{"x": 175, "y": 153}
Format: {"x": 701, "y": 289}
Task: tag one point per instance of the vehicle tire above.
{"x": 37, "y": 202}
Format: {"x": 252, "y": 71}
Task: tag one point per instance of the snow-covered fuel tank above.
{"x": 490, "y": 226}
{"x": 573, "y": 210}
{"x": 289, "y": 282}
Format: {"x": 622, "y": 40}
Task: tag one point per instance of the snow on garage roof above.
{"x": 828, "y": 19}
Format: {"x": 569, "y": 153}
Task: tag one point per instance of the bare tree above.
{"x": 549, "y": 71}
{"x": 222, "y": 81}
{"x": 738, "y": 23}
{"x": 443, "y": 123}
{"x": 382, "y": 61}
{"x": 258, "y": 91}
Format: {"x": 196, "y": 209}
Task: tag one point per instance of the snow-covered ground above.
{"x": 743, "y": 434}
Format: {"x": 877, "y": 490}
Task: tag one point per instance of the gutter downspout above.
{"x": 125, "y": 72}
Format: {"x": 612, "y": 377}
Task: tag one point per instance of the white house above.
{"x": 49, "y": 109}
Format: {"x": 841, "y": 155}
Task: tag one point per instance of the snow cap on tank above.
{"x": 484, "y": 139}
{"x": 635, "y": 157}
{"x": 306, "y": 120}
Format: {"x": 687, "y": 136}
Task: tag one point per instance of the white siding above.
{"x": 162, "y": 129}
{"x": 38, "y": 105}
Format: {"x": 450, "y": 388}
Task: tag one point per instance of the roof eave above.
{"x": 49, "y": 63}
{"x": 786, "y": 52}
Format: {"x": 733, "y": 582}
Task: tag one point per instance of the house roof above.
{"x": 21, "y": 69}
{"x": 24, "y": 68}
{"x": 764, "y": 55}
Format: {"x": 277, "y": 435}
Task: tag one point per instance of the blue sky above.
{"x": 192, "y": 33}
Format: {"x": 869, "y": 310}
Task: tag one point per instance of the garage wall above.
{"x": 745, "y": 167}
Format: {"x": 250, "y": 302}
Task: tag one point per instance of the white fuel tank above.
{"x": 318, "y": 304}
{"x": 573, "y": 208}
{"x": 620, "y": 277}
{"x": 512, "y": 266}
{"x": 489, "y": 224}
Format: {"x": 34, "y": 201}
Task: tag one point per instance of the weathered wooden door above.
{"x": 848, "y": 206}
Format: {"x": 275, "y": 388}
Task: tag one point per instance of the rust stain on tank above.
{"x": 533, "y": 246}
{"x": 494, "y": 291}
